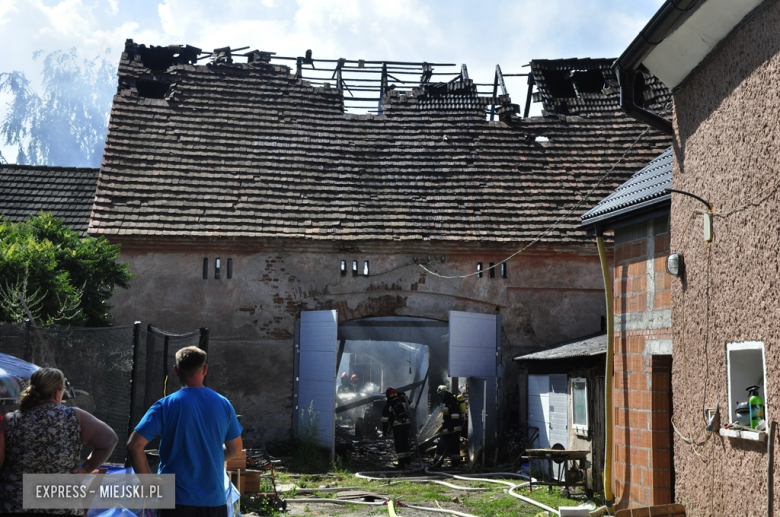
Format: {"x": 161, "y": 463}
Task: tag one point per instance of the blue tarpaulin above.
{"x": 14, "y": 377}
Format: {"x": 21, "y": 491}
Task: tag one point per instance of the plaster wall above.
{"x": 727, "y": 132}
{"x": 548, "y": 296}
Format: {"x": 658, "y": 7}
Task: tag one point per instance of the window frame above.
{"x": 579, "y": 428}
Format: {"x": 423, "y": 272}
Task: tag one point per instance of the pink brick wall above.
{"x": 642, "y": 462}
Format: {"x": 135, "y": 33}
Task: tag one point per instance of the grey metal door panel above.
{"x": 539, "y": 408}
{"x": 473, "y": 344}
{"x": 476, "y": 436}
{"x": 317, "y": 371}
{"x": 559, "y": 409}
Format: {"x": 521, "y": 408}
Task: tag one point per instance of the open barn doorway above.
{"x": 343, "y": 370}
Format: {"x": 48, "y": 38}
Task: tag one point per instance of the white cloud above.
{"x": 267, "y": 3}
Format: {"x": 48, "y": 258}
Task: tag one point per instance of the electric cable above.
{"x": 555, "y": 224}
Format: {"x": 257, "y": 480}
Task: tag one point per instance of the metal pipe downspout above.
{"x": 610, "y": 368}
{"x": 628, "y": 103}
{"x": 629, "y": 62}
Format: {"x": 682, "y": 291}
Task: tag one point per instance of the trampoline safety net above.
{"x": 117, "y": 373}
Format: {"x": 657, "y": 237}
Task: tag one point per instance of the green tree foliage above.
{"x": 64, "y": 279}
{"x": 66, "y": 124}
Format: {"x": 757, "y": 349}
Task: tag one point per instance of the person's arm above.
{"x": 99, "y": 436}
{"x": 136, "y": 454}
{"x": 233, "y": 448}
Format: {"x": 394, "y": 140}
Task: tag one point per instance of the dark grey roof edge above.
{"x": 644, "y": 187}
{"x": 585, "y": 346}
{"x": 604, "y": 220}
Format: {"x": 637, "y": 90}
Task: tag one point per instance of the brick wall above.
{"x": 642, "y": 462}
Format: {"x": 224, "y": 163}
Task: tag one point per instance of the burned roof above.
{"x": 582, "y": 86}
{"x": 66, "y": 192}
{"x": 580, "y": 347}
{"x": 646, "y": 188}
{"x": 255, "y": 150}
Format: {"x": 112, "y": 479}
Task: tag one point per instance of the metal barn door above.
{"x": 559, "y": 410}
{"x": 539, "y": 408}
{"x": 548, "y": 409}
{"x": 315, "y": 358}
{"x": 474, "y": 352}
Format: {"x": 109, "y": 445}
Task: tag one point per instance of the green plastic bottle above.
{"x": 756, "y": 405}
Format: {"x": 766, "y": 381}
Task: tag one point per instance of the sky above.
{"x": 480, "y": 34}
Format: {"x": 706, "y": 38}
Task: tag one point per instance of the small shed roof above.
{"x": 645, "y": 188}
{"x": 66, "y": 192}
{"x": 594, "y": 344}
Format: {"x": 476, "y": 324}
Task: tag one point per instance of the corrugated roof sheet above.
{"x": 579, "y": 347}
{"x": 66, "y": 192}
{"x": 648, "y": 184}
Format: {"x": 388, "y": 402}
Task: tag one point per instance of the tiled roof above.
{"x": 648, "y": 186}
{"x": 249, "y": 150}
{"x": 580, "y": 347}
{"x": 66, "y": 192}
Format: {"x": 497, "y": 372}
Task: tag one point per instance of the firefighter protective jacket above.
{"x": 395, "y": 412}
{"x": 451, "y": 415}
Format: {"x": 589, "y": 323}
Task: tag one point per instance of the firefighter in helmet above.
{"x": 396, "y": 415}
{"x": 345, "y": 386}
{"x": 449, "y": 442}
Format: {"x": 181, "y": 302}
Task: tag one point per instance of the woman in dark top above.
{"x": 45, "y": 437}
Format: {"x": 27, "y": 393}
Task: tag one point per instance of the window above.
{"x": 746, "y": 367}
{"x": 579, "y": 402}
{"x": 230, "y": 269}
{"x": 205, "y": 268}
{"x": 217, "y": 266}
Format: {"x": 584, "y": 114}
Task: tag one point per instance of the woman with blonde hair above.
{"x": 45, "y": 437}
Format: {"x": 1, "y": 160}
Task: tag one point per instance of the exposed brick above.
{"x": 661, "y": 459}
{"x": 660, "y": 439}
{"x": 638, "y": 284}
{"x": 663, "y": 381}
{"x": 660, "y": 401}
{"x": 637, "y": 268}
{"x": 660, "y": 421}
{"x": 636, "y": 303}
{"x": 663, "y": 281}
{"x": 663, "y": 300}
{"x": 640, "y": 400}
{"x": 660, "y": 496}
{"x": 662, "y": 245}
{"x": 636, "y": 344}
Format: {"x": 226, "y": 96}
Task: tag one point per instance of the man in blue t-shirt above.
{"x": 199, "y": 431}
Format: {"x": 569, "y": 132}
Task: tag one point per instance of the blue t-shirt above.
{"x": 193, "y": 423}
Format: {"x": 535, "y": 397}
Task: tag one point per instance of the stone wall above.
{"x": 549, "y": 295}
{"x": 642, "y": 379}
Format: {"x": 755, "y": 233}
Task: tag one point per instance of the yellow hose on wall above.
{"x": 610, "y": 368}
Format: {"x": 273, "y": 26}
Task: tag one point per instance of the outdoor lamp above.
{"x": 674, "y": 264}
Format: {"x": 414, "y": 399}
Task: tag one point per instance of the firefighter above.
{"x": 449, "y": 442}
{"x": 354, "y": 381}
{"x": 396, "y": 415}
{"x": 346, "y": 386}
{"x": 464, "y": 415}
